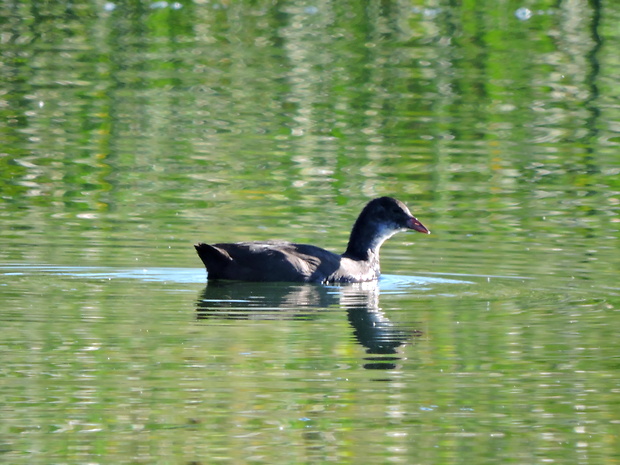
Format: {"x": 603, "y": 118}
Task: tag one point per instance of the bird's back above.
{"x": 268, "y": 261}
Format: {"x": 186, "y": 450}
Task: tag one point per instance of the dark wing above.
{"x": 267, "y": 261}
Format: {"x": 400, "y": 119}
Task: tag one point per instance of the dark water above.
{"x": 131, "y": 132}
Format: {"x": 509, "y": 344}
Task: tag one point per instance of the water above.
{"x": 148, "y": 363}
{"x": 131, "y": 132}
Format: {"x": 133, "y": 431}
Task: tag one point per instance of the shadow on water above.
{"x": 231, "y": 300}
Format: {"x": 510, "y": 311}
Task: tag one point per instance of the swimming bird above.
{"x": 380, "y": 219}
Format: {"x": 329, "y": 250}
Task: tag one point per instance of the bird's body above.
{"x": 286, "y": 261}
{"x": 281, "y": 261}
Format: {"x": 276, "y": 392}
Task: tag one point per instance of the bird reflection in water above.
{"x": 236, "y": 300}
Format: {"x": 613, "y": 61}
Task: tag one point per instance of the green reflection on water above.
{"x": 132, "y": 131}
{"x": 119, "y": 367}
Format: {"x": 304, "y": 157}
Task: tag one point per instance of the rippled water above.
{"x": 131, "y": 132}
{"x": 154, "y": 363}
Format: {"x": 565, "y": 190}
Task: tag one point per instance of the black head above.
{"x": 393, "y": 214}
{"x": 380, "y": 219}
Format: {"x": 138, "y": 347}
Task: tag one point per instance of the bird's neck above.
{"x": 366, "y": 240}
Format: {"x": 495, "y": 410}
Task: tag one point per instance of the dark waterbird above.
{"x": 284, "y": 261}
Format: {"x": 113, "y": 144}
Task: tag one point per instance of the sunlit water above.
{"x": 131, "y": 131}
{"x": 116, "y": 361}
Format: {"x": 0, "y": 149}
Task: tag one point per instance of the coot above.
{"x": 380, "y": 219}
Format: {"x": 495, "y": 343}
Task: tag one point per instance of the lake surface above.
{"x": 130, "y": 133}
